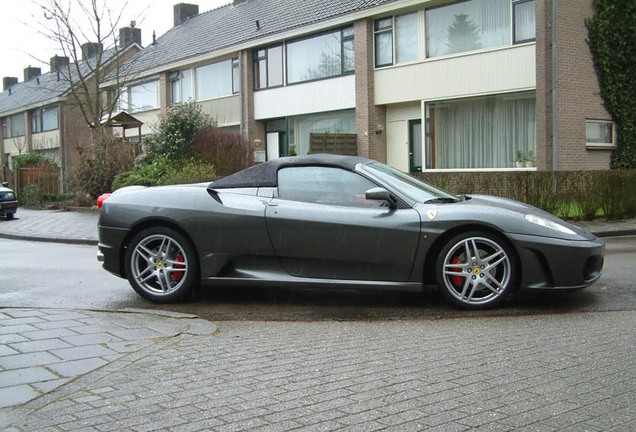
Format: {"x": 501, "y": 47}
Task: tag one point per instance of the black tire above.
{"x": 161, "y": 265}
{"x": 485, "y": 279}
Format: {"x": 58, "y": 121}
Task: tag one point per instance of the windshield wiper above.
{"x": 441, "y": 200}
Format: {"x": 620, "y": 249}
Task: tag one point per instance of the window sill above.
{"x": 468, "y": 170}
{"x": 600, "y": 146}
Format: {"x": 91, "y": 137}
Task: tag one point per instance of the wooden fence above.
{"x": 45, "y": 176}
{"x": 333, "y": 143}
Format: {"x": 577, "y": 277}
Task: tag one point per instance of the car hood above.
{"x": 502, "y": 214}
{"x": 4, "y": 189}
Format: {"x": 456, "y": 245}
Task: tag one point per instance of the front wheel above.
{"x": 161, "y": 265}
{"x": 476, "y": 270}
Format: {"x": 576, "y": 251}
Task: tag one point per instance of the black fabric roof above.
{"x": 265, "y": 174}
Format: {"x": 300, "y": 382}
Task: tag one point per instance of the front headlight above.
{"x": 538, "y": 220}
{"x": 9, "y": 196}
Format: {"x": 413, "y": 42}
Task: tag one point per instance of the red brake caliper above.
{"x": 177, "y": 276}
{"x": 456, "y": 280}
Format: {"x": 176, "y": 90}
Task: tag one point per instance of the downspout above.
{"x": 554, "y": 90}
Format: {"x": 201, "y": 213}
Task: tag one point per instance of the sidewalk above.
{"x": 42, "y": 349}
{"x": 81, "y": 227}
{"x": 555, "y": 372}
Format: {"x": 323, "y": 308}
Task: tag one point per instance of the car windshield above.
{"x": 409, "y": 186}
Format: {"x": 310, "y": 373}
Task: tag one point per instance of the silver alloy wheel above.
{"x": 477, "y": 271}
{"x": 159, "y": 264}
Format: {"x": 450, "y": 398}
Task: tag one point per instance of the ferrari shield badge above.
{"x": 432, "y": 214}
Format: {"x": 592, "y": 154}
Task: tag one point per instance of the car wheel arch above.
{"x": 153, "y": 223}
{"x": 446, "y": 236}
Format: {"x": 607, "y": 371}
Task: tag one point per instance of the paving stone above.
{"x": 77, "y": 367}
{"x": 10, "y": 396}
{"x": 91, "y": 339}
{"x": 25, "y": 376}
{"x": 41, "y": 345}
{"x": 49, "y": 334}
{"x": 20, "y": 361}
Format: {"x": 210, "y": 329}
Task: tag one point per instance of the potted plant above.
{"x": 521, "y": 159}
{"x": 530, "y": 159}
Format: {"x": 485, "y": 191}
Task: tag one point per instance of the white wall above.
{"x": 397, "y": 133}
{"x": 226, "y": 110}
{"x": 312, "y": 97}
{"x": 507, "y": 69}
{"x": 45, "y": 140}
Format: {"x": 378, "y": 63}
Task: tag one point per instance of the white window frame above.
{"x": 602, "y": 146}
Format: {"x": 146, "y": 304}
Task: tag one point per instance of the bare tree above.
{"x": 87, "y": 33}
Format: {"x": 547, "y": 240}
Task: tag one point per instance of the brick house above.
{"x": 40, "y": 115}
{"x": 422, "y": 85}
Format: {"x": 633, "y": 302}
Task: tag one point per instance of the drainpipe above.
{"x": 554, "y": 90}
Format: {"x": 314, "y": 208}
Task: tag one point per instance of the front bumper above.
{"x": 8, "y": 207}
{"x": 556, "y": 264}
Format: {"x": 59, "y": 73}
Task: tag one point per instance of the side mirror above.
{"x": 381, "y": 194}
{"x": 5, "y": 184}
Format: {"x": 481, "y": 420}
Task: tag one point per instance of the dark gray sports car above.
{"x": 338, "y": 221}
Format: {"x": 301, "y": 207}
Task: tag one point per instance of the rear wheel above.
{"x": 161, "y": 265}
{"x": 476, "y": 270}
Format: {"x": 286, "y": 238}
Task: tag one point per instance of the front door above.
{"x": 321, "y": 226}
{"x": 415, "y": 145}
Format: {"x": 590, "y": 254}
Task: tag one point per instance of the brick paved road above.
{"x": 554, "y": 372}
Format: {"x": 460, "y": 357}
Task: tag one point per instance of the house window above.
{"x": 13, "y": 126}
{"x": 468, "y": 26}
{"x": 236, "y": 77}
{"x": 480, "y": 132}
{"x": 181, "y": 84}
{"x": 44, "y": 119}
{"x": 524, "y": 18}
{"x": 324, "y": 56}
{"x": 396, "y": 37}
{"x": 599, "y": 133}
{"x": 141, "y": 97}
{"x": 301, "y": 128}
{"x": 268, "y": 67}
{"x": 214, "y": 80}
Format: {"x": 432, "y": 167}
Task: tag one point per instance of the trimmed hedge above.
{"x": 568, "y": 194}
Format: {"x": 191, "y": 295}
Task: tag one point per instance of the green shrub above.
{"x": 580, "y": 195}
{"x": 190, "y": 172}
{"x": 32, "y": 195}
{"x": 131, "y": 178}
{"x": 173, "y": 136}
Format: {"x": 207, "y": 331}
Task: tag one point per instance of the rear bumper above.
{"x": 110, "y": 249}
{"x": 555, "y": 264}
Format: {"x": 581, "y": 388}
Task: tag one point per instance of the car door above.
{"x": 322, "y": 226}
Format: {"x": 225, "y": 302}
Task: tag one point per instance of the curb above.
{"x": 85, "y": 242}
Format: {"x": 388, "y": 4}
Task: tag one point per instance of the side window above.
{"x": 323, "y": 185}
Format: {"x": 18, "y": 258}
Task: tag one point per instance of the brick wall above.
{"x": 578, "y": 96}
{"x": 368, "y": 115}
{"x": 252, "y": 129}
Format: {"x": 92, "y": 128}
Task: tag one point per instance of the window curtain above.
{"x": 525, "y": 21}
{"x": 467, "y": 26}
{"x": 483, "y": 133}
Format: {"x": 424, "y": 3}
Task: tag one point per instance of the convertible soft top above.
{"x": 265, "y": 174}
